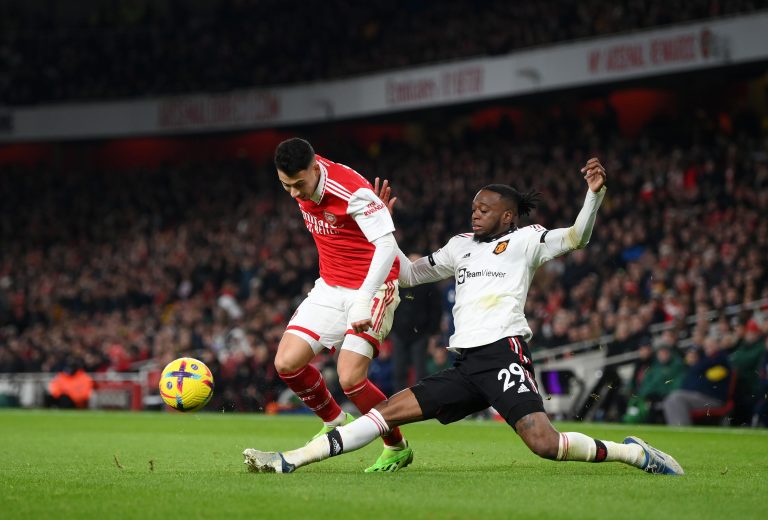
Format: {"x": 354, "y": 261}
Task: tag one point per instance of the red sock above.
{"x": 308, "y": 384}
{"x": 366, "y": 395}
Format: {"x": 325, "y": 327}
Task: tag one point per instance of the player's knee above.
{"x": 285, "y": 363}
{"x": 350, "y": 378}
{"x": 352, "y": 370}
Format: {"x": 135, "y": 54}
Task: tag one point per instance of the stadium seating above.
{"x": 59, "y": 54}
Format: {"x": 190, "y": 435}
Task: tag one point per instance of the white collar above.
{"x": 317, "y": 196}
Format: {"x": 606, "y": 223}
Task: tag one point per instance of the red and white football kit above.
{"x": 345, "y": 217}
{"x": 353, "y": 229}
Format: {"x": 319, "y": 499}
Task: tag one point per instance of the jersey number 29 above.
{"x": 506, "y": 375}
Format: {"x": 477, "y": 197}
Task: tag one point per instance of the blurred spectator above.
{"x": 70, "y": 388}
{"x": 745, "y": 356}
{"x": 664, "y": 375}
{"x": 636, "y": 410}
{"x": 382, "y": 368}
{"x": 624, "y": 340}
{"x": 705, "y": 384}
{"x": 417, "y": 319}
{"x": 439, "y": 359}
{"x": 612, "y": 402}
{"x": 760, "y": 417}
{"x": 641, "y": 367}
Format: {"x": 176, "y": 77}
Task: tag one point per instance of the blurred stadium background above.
{"x": 141, "y": 218}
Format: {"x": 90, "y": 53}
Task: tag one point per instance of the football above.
{"x": 186, "y": 384}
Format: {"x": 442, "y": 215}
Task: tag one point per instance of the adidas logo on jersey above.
{"x": 466, "y": 256}
{"x": 522, "y": 389}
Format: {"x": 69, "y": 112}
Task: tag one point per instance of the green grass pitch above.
{"x": 162, "y": 465}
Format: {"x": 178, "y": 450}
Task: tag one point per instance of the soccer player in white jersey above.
{"x": 493, "y": 268}
{"x": 352, "y": 304}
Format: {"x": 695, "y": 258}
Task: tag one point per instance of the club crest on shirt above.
{"x": 501, "y": 247}
{"x": 319, "y": 226}
{"x": 329, "y": 217}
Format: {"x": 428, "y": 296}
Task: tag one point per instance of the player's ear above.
{"x": 315, "y": 169}
{"x": 509, "y": 216}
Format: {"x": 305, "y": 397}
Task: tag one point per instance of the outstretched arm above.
{"x": 559, "y": 241}
{"x": 423, "y": 270}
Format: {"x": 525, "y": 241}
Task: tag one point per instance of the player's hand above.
{"x": 362, "y": 326}
{"x": 360, "y": 315}
{"x": 384, "y": 194}
{"x": 594, "y": 174}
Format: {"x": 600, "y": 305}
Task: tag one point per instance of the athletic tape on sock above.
{"x": 335, "y": 442}
{"x": 601, "y": 451}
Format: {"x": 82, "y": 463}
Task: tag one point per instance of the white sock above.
{"x": 576, "y": 446}
{"x": 579, "y": 447}
{"x": 338, "y": 420}
{"x": 362, "y": 431}
{"x": 631, "y": 454}
{"x": 355, "y": 435}
{"x": 316, "y": 450}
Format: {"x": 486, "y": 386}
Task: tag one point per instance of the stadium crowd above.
{"x": 107, "y": 271}
{"x": 130, "y": 48}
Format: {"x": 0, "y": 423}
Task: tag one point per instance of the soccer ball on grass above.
{"x": 186, "y": 384}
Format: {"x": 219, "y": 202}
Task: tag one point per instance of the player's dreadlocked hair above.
{"x": 525, "y": 202}
{"x": 293, "y": 155}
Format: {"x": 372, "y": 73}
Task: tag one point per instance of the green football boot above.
{"x": 326, "y": 429}
{"x": 392, "y": 460}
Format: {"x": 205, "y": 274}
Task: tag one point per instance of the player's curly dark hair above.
{"x": 524, "y": 202}
{"x": 293, "y": 155}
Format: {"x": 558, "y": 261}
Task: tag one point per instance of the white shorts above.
{"x": 322, "y": 318}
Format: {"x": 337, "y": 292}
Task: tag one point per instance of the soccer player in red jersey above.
{"x": 352, "y": 305}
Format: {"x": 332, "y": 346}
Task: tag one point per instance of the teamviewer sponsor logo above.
{"x": 464, "y": 274}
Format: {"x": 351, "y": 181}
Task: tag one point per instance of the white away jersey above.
{"x": 492, "y": 281}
